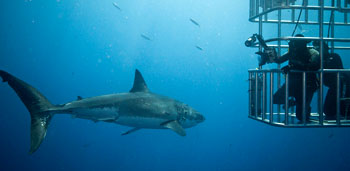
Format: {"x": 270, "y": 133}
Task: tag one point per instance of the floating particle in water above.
{"x": 116, "y": 6}
{"x": 199, "y": 48}
{"x": 194, "y": 22}
{"x": 145, "y": 37}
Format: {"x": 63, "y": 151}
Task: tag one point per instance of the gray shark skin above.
{"x": 138, "y": 108}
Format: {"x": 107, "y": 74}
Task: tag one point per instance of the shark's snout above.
{"x": 200, "y": 118}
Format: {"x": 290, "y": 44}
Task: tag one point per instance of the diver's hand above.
{"x": 262, "y": 53}
{"x": 263, "y": 58}
{"x": 271, "y": 54}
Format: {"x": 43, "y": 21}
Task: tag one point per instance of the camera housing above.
{"x": 268, "y": 55}
{"x": 250, "y": 41}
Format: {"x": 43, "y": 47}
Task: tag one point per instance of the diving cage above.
{"x": 263, "y": 82}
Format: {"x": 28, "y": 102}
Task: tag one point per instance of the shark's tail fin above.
{"x": 36, "y": 104}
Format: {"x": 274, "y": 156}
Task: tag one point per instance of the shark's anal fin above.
{"x": 130, "y": 131}
{"x": 139, "y": 83}
{"x": 79, "y": 98}
{"x": 175, "y": 126}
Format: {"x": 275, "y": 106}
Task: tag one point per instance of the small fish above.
{"x": 117, "y": 6}
{"x": 199, "y": 48}
{"x": 145, "y": 37}
{"x": 194, "y": 22}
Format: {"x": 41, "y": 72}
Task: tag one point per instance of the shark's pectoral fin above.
{"x": 175, "y": 126}
{"x": 130, "y": 131}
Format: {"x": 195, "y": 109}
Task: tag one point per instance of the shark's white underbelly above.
{"x": 141, "y": 122}
{"x": 112, "y": 114}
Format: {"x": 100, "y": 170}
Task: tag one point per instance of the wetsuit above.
{"x": 331, "y": 61}
{"x": 304, "y": 60}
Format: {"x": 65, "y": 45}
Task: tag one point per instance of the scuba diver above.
{"x": 333, "y": 61}
{"x": 303, "y": 59}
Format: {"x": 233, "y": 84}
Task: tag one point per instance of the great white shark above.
{"x": 139, "y": 108}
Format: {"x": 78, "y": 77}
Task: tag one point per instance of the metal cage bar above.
{"x": 256, "y": 95}
{"x": 263, "y": 96}
{"x": 304, "y": 99}
{"x": 271, "y": 96}
{"x": 286, "y": 101}
{"x": 260, "y": 12}
{"x": 250, "y": 93}
{"x": 345, "y": 13}
{"x": 268, "y": 117}
{"x": 293, "y": 7}
{"x": 338, "y": 99}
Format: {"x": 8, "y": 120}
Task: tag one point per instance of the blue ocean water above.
{"x": 70, "y": 48}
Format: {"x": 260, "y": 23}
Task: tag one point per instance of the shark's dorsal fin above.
{"x": 175, "y": 126}
{"x": 79, "y": 98}
{"x": 139, "y": 83}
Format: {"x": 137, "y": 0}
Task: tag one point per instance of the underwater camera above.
{"x": 268, "y": 55}
{"x": 250, "y": 41}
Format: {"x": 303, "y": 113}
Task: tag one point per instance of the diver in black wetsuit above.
{"x": 333, "y": 61}
{"x": 300, "y": 58}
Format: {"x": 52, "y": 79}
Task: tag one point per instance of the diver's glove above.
{"x": 286, "y": 69}
{"x": 271, "y": 54}
{"x": 263, "y": 56}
